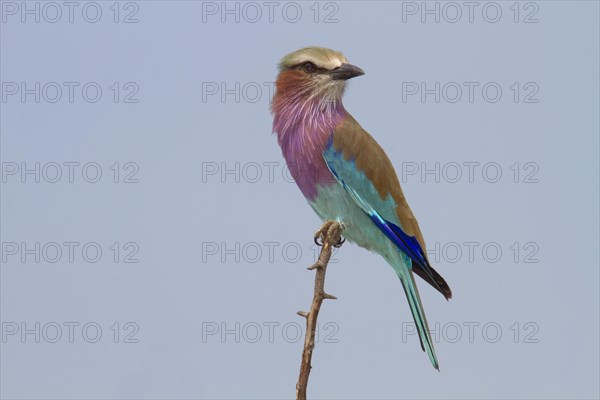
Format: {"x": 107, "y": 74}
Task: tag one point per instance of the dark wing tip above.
{"x": 447, "y": 291}
{"x": 432, "y": 277}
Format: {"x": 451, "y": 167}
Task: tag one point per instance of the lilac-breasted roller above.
{"x": 343, "y": 172}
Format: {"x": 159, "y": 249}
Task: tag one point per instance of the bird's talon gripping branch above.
{"x": 340, "y": 243}
{"x": 322, "y": 234}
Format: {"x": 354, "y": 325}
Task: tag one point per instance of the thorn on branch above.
{"x": 316, "y": 265}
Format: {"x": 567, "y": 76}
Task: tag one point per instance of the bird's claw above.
{"x": 319, "y": 240}
{"x": 340, "y": 243}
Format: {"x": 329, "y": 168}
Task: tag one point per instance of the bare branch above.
{"x": 330, "y": 235}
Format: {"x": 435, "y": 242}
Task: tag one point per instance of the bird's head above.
{"x": 315, "y": 72}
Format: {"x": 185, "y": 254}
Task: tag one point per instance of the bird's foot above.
{"x": 340, "y": 242}
{"x": 330, "y": 229}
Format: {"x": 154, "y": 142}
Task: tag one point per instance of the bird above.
{"x": 345, "y": 175}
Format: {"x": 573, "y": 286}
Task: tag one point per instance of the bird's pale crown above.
{"x": 320, "y": 56}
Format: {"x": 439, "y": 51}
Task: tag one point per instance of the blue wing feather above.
{"x": 381, "y": 211}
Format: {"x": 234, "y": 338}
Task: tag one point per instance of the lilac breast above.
{"x": 303, "y": 140}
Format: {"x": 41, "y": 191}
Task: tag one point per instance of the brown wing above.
{"x": 356, "y": 143}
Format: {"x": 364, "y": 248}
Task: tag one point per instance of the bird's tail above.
{"x": 416, "y": 308}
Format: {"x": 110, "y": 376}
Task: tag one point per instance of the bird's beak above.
{"x": 346, "y": 71}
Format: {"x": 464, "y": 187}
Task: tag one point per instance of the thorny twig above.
{"x": 330, "y": 236}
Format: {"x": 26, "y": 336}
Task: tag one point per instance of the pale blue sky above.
{"x": 200, "y": 199}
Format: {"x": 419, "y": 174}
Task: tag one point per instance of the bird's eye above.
{"x": 309, "y": 67}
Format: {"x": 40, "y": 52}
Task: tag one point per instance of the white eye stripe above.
{"x": 329, "y": 64}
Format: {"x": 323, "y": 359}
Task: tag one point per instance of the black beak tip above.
{"x": 346, "y": 71}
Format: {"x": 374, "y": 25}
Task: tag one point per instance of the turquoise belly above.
{"x": 334, "y": 203}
